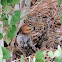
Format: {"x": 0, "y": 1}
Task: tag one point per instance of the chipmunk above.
{"x": 23, "y": 38}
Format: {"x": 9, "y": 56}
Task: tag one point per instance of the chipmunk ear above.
{"x": 19, "y": 31}
{"x": 20, "y": 24}
{"x": 24, "y": 21}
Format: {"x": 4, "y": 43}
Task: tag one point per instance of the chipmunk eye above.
{"x": 30, "y": 24}
{"x": 24, "y": 22}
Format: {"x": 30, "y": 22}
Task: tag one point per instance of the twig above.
{"x": 19, "y": 59}
{"x": 32, "y": 9}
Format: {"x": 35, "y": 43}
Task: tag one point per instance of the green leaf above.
{"x": 15, "y": 17}
{"x": 16, "y": 1}
{"x": 1, "y": 36}
{"x": 57, "y": 53}
{"x": 4, "y": 3}
{"x": 40, "y": 60}
{"x": 46, "y": 60}
{"x": 6, "y": 53}
{"x": 22, "y": 58}
{"x": 56, "y": 60}
{"x": 0, "y": 11}
{"x": 14, "y": 28}
{"x": 61, "y": 17}
{"x": 5, "y": 22}
{"x": 39, "y": 55}
{"x": 7, "y": 40}
{"x": 59, "y": 2}
{"x": 0, "y": 26}
{"x": 29, "y": 59}
{"x": 59, "y": 48}
{"x": 33, "y": 59}
{"x": 1, "y": 55}
{"x": 4, "y": 17}
{"x": 44, "y": 52}
{"x": 11, "y": 34}
{"x": 11, "y": 4}
{"x": 17, "y": 61}
{"x": 9, "y": 1}
{"x": 7, "y": 10}
{"x": 9, "y": 19}
{"x": 59, "y": 59}
{"x": 50, "y": 53}
{"x": 7, "y": 31}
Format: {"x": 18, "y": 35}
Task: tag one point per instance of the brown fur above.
{"x": 26, "y": 29}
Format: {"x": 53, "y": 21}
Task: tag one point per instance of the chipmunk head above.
{"x": 26, "y": 28}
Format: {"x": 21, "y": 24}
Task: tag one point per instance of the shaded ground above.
{"x": 48, "y": 15}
